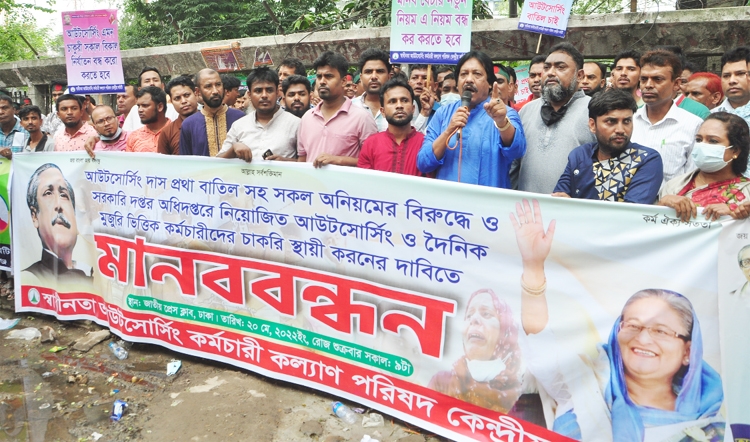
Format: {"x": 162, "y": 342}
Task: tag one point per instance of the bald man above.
{"x": 204, "y": 132}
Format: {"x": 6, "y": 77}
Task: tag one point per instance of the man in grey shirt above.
{"x": 556, "y": 124}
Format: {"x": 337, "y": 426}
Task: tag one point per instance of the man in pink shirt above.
{"x": 396, "y": 148}
{"x": 111, "y": 137}
{"x": 333, "y": 131}
{"x": 70, "y": 111}
{"x": 152, "y": 109}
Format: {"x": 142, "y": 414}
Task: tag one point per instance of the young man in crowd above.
{"x": 151, "y": 103}
{"x": 288, "y": 67}
{"x": 536, "y": 68}
{"x": 333, "y": 131}
{"x": 204, "y": 132}
{"x": 626, "y": 73}
{"x": 735, "y": 82}
{"x": 70, "y": 111}
{"x": 53, "y": 123}
{"x": 13, "y": 137}
{"x": 555, "y": 124}
{"x": 491, "y": 132}
{"x": 705, "y": 88}
{"x": 231, "y": 89}
{"x": 426, "y": 97}
{"x": 269, "y": 132}
{"x": 375, "y": 70}
{"x": 594, "y": 78}
{"x": 613, "y": 168}
{"x": 31, "y": 120}
{"x": 395, "y": 149}
{"x": 125, "y": 102}
{"x": 182, "y": 92}
{"x": 660, "y": 124}
{"x": 111, "y": 136}
{"x": 448, "y": 90}
{"x": 296, "y": 90}
{"x": 149, "y": 76}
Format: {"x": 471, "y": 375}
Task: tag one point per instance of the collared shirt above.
{"x": 673, "y": 137}
{"x": 142, "y": 140}
{"x": 278, "y": 135}
{"x": 169, "y": 140}
{"x": 342, "y": 135}
{"x": 483, "y": 160}
{"x": 742, "y": 111}
{"x": 52, "y": 123}
{"x": 381, "y": 152}
{"x": 46, "y": 144}
{"x": 635, "y": 176}
{"x": 64, "y": 142}
{"x": 379, "y": 117}
{"x": 118, "y": 146}
{"x": 16, "y": 139}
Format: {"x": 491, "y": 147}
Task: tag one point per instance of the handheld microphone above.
{"x": 465, "y": 101}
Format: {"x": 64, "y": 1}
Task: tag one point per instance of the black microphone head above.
{"x": 466, "y": 98}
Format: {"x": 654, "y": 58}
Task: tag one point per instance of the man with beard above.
{"x": 556, "y": 124}
{"x": 149, "y": 76}
{"x": 296, "y": 90}
{"x": 474, "y": 144}
{"x": 152, "y": 108}
{"x": 333, "y": 131}
{"x": 660, "y": 124}
{"x": 111, "y": 136}
{"x": 125, "y": 102}
{"x": 204, "y": 132}
{"x": 536, "y": 68}
{"x": 396, "y": 148}
{"x": 70, "y": 111}
{"x": 626, "y": 73}
{"x": 267, "y": 129}
{"x": 594, "y": 78}
{"x": 52, "y": 204}
{"x": 613, "y": 168}
{"x": 375, "y": 67}
{"x": 182, "y": 92}
{"x": 31, "y": 120}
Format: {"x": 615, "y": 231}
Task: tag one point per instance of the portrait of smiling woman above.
{"x": 648, "y": 382}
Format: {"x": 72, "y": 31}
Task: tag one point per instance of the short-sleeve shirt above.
{"x": 16, "y": 139}
{"x": 279, "y": 135}
{"x": 381, "y": 152}
{"x": 65, "y": 142}
{"x": 143, "y": 140}
{"x": 342, "y": 135}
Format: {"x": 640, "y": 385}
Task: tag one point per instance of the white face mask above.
{"x": 485, "y": 371}
{"x": 449, "y": 98}
{"x": 709, "y": 157}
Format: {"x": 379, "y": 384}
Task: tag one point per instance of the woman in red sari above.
{"x": 717, "y": 185}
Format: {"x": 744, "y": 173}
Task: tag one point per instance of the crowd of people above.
{"x": 656, "y": 130}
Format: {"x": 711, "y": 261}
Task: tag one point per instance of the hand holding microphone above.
{"x": 461, "y": 117}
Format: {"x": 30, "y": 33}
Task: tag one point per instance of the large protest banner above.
{"x": 430, "y": 31}
{"x": 401, "y": 293}
{"x": 5, "y": 258}
{"x": 92, "y": 52}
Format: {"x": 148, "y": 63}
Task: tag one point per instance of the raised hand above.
{"x": 496, "y": 108}
{"x": 533, "y": 242}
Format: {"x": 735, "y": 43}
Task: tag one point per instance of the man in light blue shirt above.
{"x": 491, "y": 132}
{"x": 13, "y": 137}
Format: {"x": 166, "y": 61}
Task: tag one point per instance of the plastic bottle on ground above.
{"x": 344, "y": 413}
{"x": 119, "y": 352}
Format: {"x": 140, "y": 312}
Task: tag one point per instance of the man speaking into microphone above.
{"x": 475, "y": 140}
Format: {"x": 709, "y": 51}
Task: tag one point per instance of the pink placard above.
{"x": 92, "y": 52}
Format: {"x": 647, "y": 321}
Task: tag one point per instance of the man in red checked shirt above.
{"x": 396, "y": 148}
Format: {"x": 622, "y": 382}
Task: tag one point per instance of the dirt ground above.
{"x": 68, "y": 395}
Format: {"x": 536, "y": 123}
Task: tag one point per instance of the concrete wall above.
{"x": 701, "y": 32}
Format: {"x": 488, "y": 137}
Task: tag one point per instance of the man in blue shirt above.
{"x": 613, "y": 168}
{"x": 13, "y": 137}
{"x": 491, "y": 135}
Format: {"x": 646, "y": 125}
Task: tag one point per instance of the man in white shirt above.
{"x": 268, "y": 132}
{"x": 149, "y": 77}
{"x": 660, "y": 124}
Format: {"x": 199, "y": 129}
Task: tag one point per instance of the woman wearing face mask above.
{"x": 489, "y": 372}
{"x": 718, "y": 186}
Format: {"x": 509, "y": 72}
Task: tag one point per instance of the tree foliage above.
{"x": 21, "y": 22}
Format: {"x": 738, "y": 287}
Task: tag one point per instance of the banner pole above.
{"x": 538, "y": 43}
